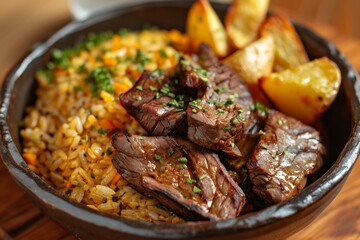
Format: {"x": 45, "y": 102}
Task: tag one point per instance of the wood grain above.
{"x": 23, "y": 24}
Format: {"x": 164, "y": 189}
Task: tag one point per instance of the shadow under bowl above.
{"x": 340, "y": 123}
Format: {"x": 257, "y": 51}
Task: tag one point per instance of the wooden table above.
{"x": 23, "y": 23}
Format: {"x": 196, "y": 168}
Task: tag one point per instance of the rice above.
{"x": 66, "y": 134}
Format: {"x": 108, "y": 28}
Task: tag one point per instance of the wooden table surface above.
{"x": 23, "y": 23}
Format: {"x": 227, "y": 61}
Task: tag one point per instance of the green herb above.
{"x": 138, "y": 98}
{"x": 109, "y": 151}
{"x": 183, "y": 166}
{"x": 82, "y": 68}
{"x": 196, "y": 189}
{"x": 184, "y": 62}
{"x": 102, "y": 131}
{"x": 123, "y": 32}
{"x": 141, "y": 58}
{"x": 140, "y": 88}
{"x": 61, "y": 58}
{"x": 100, "y": 79}
{"x": 157, "y": 156}
{"x": 153, "y": 89}
{"x": 287, "y": 153}
{"x": 221, "y": 111}
{"x": 157, "y": 95}
{"x": 156, "y": 73}
{"x": 234, "y": 121}
{"x": 261, "y": 132}
{"x": 79, "y": 185}
{"x": 170, "y": 94}
{"x": 170, "y": 151}
{"x": 78, "y": 88}
{"x": 163, "y": 53}
{"x": 264, "y": 147}
{"x": 183, "y": 160}
{"x": 190, "y": 181}
{"x": 47, "y": 74}
{"x": 227, "y": 128}
{"x": 280, "y": 122}
{"x": 259, "y": 106}
{"x": 194, "y": 110}
{"x": 141, "y": 138}
{"x": 204, "y": 79}
{"x": 202, "y": 177}
{"x": 68, "y": 191}
{"x": 229, "y": 102}
{"x": 240, "y": 110}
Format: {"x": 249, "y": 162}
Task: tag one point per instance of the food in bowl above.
{"x": 67, "y": 133}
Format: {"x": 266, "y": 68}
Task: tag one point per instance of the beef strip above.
{"x": 184, "y": 177}
{"x": 288, "y": 150}
{"x": 153, "y": 101}
{"x": 221, "y": 119}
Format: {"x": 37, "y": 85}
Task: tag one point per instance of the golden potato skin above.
{"x": 289, "y": 50}
{"x": 243, "y": 20}
{"x": 203, "y": 25}
{"x": 305, "y": 91}
{"x": 253, "y": 62}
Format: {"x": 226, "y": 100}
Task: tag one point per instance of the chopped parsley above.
{"x": 163, "y": 53}
{"x": 138, "y": 98}
{"x": 264, "y": 147}
{"x": 261, "y": 132}
{"x": 183, "y": 160}
{"x": 140, "y": 88}
{"x": 109, "y": 151}
{"x": 78, "y": 88}
{"x": 141, "y": 58}
{"x": 190, "y": 181}
{"x": 202, "y": 177}
{"x": 102, "y": 131}
{"x": 100, "y": 79}
{"x": 170, "y": 151}
{"x": 183, "y": 166}
{"x": 287, "y": 153}
{"x": 227, "y": 128}
{"x": 153, "y": 89}
{"x": 196, "y": 189}
{"x": 157, "y": 156}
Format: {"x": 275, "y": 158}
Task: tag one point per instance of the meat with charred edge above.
{"x": 184, "y": 177}
{"x": 288, "y": 150}
{"x": 154, "y": 103}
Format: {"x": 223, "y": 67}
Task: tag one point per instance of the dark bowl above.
{"x": 341, "y": 126}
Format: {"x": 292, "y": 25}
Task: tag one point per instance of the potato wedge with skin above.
{"x": 289, "y": 50}
{"x": 253, "y": 62}
{"x": 203, "y": 25}
{"x": 243, "y": 20}
{"x": 305, "y": 91}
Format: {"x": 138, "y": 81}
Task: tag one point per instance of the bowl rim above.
{"x": 43, "y": 192}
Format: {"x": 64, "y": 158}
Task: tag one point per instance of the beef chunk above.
{"x": 193, "y": 78}
{"x": 222, "y": 117}
{"x": 154, "y": 103}
{"x": 205, "y": 56}
{"x": 184, "y": 177}
{"x": 287, "y": 151}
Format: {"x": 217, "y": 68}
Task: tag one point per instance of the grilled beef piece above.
{"x": 184, "y": 177}
{"x": 222, "y": 117}
{"x": 287, "y": 151}
{"x": 205, "y": 56}
{"x": 154, "y": 103}
{"x": 193, "y": 79}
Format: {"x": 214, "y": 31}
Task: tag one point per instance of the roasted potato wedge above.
{"x": 203, "y": 25}
{"x": 243, "y": 20}
{"x": 289, "y": 50}
{"x": 305, "y": 91}
{"x": 253, "y": 62}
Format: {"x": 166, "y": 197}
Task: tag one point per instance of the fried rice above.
{"x": 66, "y": 133}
